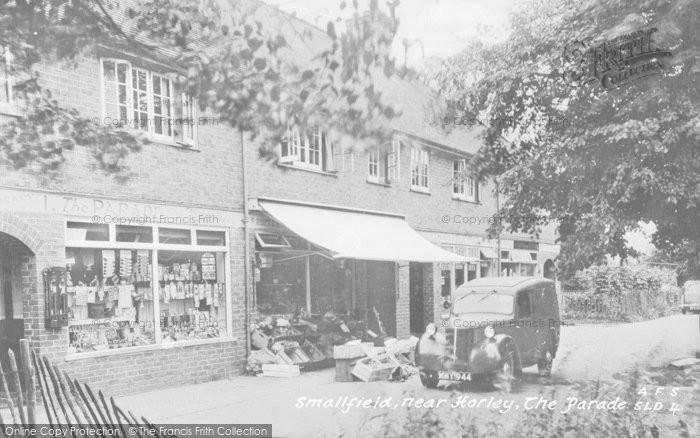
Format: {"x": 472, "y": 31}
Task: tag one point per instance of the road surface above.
{"x": 587, "y": 352}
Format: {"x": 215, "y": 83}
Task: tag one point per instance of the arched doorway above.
{"x": 17, "y": 272}
{"x": 549, "y": 270}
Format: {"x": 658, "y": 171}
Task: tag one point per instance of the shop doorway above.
{"x": 415, "y": 274}
{"x": 381, "y": 288}
{"x": 12, "y": 254}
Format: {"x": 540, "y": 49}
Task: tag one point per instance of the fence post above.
{"x": 29, "y": 380}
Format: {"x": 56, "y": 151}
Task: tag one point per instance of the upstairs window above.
{"x": 189, "y": 120}
{"x": 463, "y": 186}
{"x": 306, "y": 150}
{"x": 384, "y": 166}
{"x": 420, "y": 164}
{"x": 144, "y": 101}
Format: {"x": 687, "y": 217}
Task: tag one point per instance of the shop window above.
{"x": 85, "y": 231}
{"x": 192, "y": 295}
{"x": 270, "y": 240}
{"x": 110, "y": 299}
{"x": 211, "y": 238}
{"x": 174, "y": 236}
{"x": 420, "y": 164}
{"x": 281, "y": 286}
{"x": 129, "y": 233}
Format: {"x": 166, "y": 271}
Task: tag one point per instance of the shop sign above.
{"x": 102, "y": 209}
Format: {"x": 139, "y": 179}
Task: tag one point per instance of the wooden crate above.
{"x": 364, "y": 371}
{"x": 353, "y": 351}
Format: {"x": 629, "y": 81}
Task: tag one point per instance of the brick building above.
{"x": 155, "y": 281}
{"x": 420, "y": 179}
{"x": 173, "y": 229}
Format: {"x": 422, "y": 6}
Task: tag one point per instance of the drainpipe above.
{"x": 498, "y": 218}
{"x": 246, "y": 244}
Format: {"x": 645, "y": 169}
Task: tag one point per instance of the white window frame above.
{"x": 420, "y": 170}
{"x": 152, "y": 109}
{"x": 299, "y": 148}
{"x": 373, "y": 162}
{"x": 464, "y": 188}
{"x": 394, "y": 161}
{"x": 458, "y": 183}
{"x": 189, "y": 119}
{"x": 155, "y": 247}
{"x": 130, "y": 110}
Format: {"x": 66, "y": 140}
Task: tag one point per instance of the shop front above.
{"x": 125, "y": 288}
{"x": 517, "y": 262}
{"x": 332, "y": 274}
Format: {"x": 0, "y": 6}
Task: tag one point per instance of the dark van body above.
{"x": 496, "y": 327}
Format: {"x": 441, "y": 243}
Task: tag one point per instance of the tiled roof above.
{"x": 422, "y": 114}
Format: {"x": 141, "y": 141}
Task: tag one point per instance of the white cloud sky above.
{"x": 442, "y": 26}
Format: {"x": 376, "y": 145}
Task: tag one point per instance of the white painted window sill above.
{"x": 464, "y": 199}
{"x": 421, "y": 190}
{"x": 377, "y": 182}
{"x": 308, "y": 169}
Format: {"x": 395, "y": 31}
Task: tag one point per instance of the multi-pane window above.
{"x": 374, "y": 164}
{"x": 420, "y": 163}
{"x": 458, "y": 186}
{"x": 463, "y": 186}
{"x": 5, "y": 77}
{"x": 139, "y": 85}
{"x": 116, "y": 81}
{"x": 143, "y": 100}
{"x": 162, "y": 106}
{"x": 303, "y": 150}
{"x": 383, "y": 166}
{"x": 189, "y": 120}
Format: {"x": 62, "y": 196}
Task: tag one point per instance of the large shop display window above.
{"x": 130, "y": 288}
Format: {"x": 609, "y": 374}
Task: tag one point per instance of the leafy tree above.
{"x": 598, "y": 160}
{"x": 237, "y": 66}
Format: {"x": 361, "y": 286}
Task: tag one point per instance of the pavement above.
{"x": 587, "y": 353}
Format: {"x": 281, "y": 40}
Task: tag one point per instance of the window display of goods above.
{"x": 108, "y": 309}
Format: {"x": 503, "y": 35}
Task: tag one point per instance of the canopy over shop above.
{"x": 323, "y": 259}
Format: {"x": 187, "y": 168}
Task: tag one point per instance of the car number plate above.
{"x": 454, "y": 375}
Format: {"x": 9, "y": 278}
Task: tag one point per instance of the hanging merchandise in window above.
{"x": 192, "y": 295}
{"x": 110, "y": 299}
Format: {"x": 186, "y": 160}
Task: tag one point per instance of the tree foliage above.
{"x": 238, "y": 66}
{"x": 600, "y": 160}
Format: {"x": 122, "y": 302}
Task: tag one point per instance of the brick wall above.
{"x": 403, "y": 298}
{"x": 208, "y": 176}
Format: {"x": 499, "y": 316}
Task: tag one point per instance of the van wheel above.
{"x": 429, "y": 379}
{"x": 544, "y": 365}
{"x": 684, "y": 311}
{"x": 505, "y": 378}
